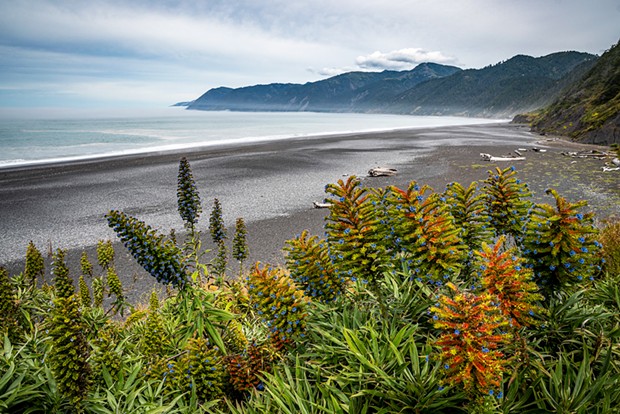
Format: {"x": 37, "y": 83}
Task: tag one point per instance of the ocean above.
{"x": 39, "y": 141}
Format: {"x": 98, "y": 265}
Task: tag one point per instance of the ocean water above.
{"x": 35, "y": 141}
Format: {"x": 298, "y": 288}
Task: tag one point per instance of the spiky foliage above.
{"x": 240, "y": 243}
{"x": 158, "y": 256}
{"x": 428, "y": 233}
{"x": 560, "y": 243}
{"x": 84, "y": 293}
{"x": 63, "y": 285}
{"x": 9, "y": 308}
{"x": 467, "y": 208}
{"x": 188, "y": 199}
{"x": 471, "y": 340}
{"x": 506, "y": 199}
{"x": 310, "y": 266}
{"x": 70, "y": 350}
{"x": 278, "y": 301}
{"x": 105, "y": 254}
{"x": 356, "y": 246}
{"x": 505, "y": 276}
{"x": 35, "y": 266}
{"x": 216, "y": 223}
{"x": 201, "y": 368}
{"x": 86, "y": 265}
{"x": 98, "y": 292}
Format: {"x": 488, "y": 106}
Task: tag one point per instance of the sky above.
{"x": 98, "y": 54}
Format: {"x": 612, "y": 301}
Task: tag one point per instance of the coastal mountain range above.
{"x": 520, "y": 84}
{"x": 568, "y": 93}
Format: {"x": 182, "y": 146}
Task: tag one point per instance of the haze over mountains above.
{"x": 520, "y": 84}
{"x": 566, "y": 93}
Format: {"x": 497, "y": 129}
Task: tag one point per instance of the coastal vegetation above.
{"x": 473, "y": 299}
{"x": 589, "y": 109}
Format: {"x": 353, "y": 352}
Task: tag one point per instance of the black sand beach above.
{"x": 271, "y": 185}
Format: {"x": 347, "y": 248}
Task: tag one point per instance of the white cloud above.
{"x": 144, "y": 46}
{"x": 401, "y": 59}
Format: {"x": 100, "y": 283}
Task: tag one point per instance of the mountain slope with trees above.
{"x": 520, "y": 84}
{"x": 589, "y": 109}
{"x": 348, "y": 92}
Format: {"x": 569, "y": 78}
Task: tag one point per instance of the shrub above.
{"x": 560, "y": 245}
{"x": 609, "y": 237}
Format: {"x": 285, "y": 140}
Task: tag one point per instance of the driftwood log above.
{"x": 489, "y": 157}
{"x": 321, "y": 205}
{"x": 381, "y": 172}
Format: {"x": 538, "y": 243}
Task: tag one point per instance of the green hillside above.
{"x": 522, "y": 83}
{"x": 589, "y": 109}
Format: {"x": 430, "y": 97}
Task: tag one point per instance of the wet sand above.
{"x": 271, "y": 185}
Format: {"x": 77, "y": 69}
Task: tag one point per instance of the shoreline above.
{"x": 271, "y": 185}
{"x": 159, "y": 149}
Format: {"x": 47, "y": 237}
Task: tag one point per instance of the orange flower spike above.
{"x": 469, "y": 346}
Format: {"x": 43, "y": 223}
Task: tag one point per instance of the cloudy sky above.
{"x": 139, "y": 53}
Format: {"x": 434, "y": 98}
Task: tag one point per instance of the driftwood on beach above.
{"x": 381, "y": 172}
{"x": 316, "y": 204}
{"x": 491, "y": 158}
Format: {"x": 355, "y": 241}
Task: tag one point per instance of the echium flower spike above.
{"x": 507, "y": 204}
{"x": 427, "y": 232}
{"x": 70, "y": 350}
{"x": 467, "y": 209}
{"x": 158, "y": 256}
{"x": 471, "y": 340}
{"x": 35, "y": 266}
{"x": 245, "y": 369}
{"x": 105, "y": 254}
{"x": 84, "y": 293}
{"x": 188, "y": 199}
{"x": 560, "y": 243}
{"x": 220, "y": 261}
{"x": 307, "y": 259}
{"x": 216, "y": 223}
{"x": 9, "y": 308}
{"x": 85, "y": 265}
{"x": 353, "y": 232}
{"x": 505, "y": 276}
{"x": 281, "y": 305}
{"x": 98, "y": 292}
{"x": 240, "y": 244}
{"x": 64, "y": 285}
{"x": 201, "y": 368}
{"x": 154, "y": 339}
